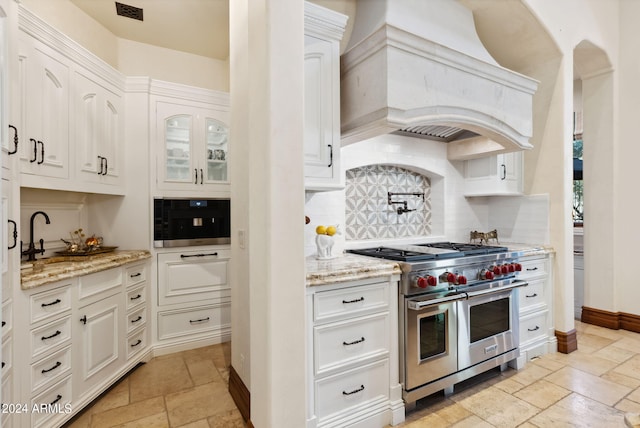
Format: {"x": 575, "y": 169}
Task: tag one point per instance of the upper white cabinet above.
{"x": 323, "y": 32}
{"x": 69, "y": 109}
{"x": 192, "y": 145}
{"x": 494, "y": 175}
{"x": 44, "y": 88}
{"x": 99, "y": 129}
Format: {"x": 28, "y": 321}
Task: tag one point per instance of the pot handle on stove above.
{"x": 417, "y": 305}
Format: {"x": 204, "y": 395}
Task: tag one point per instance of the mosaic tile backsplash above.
{"x": 368, "y": 213}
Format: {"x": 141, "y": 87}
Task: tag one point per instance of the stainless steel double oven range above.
{"x": 458, "y": 312}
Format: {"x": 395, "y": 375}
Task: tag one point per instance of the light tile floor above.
{"x": 184, "y": 389}
{"x": 592, "y": 387}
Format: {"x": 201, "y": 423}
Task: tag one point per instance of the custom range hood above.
{"x": 418, "y": 68}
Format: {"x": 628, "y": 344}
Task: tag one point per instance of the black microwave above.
{"x": 182, "y": 222}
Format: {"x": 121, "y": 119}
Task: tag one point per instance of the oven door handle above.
{"x": 417, "y": 305}
{"x": 514, "y": 284}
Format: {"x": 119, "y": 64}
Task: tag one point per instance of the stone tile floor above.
{"x": 592, "y": 387}
{"x": 184, "y": 389}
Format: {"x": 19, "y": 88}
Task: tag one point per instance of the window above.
{"x": 578, "y": 187}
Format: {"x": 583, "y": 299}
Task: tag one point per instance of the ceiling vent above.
{"x": 129, "y": 11}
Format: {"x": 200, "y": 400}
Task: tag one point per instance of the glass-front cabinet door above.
{"x": 178, "y": 148}
{"x": 193, "y": 148}
{"x": 217, "y": 135}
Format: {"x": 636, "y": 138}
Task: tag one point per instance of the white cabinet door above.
{"x": 99, "y": 130}
{"x": 494, "y": 175}
{"x": 44, "y": 91}
{"x": 98, "y": 344}
{"x": 192, "y": 147}
{"x": 321, "y": 113}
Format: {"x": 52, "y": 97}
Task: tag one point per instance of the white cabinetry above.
{"x": 192, "y": 142}
{"x": 99, "y": 129}
{"x": 69, "y": 113}
{"x": 537, "y": 333}
{"x": 194, "y": 297}
{"x": 323, "y": 32}
{"x": 353, "y": 345}
{"x": 44, "y": 87}
{"x": 76, "y": 340}
{"x": 494, "y": 175}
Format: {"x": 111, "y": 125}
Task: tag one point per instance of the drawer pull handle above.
{"x": 55, "y": 302}
{"x": 58, "y": 364}
{"x": 58, "y": 398}
{"x": 353, "y": 301}
{"x": 532, "y": 295}
{"x": 83, "y": 320}
{"x": 135, "y": 298}
{"x": 355, "y": 391}
{"x": 3, "y": 364}
{"x": 186, "y": 256}
{"x": 533, "y": 268}
{"x": 137, "y": 343}
{"x": 354, "y": 342}
{"x": 136, "y": 320}
{"x": 57, "y": 333}
{"x": 135, "y": 275}
{"x": 4, "y": 323}
{"x": 534, "y": 329}
{"x": 200, "y": 320}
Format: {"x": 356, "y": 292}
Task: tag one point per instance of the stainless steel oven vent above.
{"x": 436, "y": 132}
{"x": 129, "y": 11}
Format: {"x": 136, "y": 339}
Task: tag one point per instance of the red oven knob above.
{"x": 518, "y": 267}
{"x": 486, "y": 274}
{"x": 511, "y": 267}
{"x": 462, "y": 280}
{"x": 429, "y": 280}
{"x": 504, "y": 269}
{"x": 497, "y": 270}
{"x": 451, "y": 277}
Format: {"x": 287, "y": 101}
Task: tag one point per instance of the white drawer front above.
{"x": 350, "y": 302}
{"x": 50, "y": 369}
{"x": 192, "y": 277}
{"x": 7, "y": 355}
{"x": 58, "y": 399}
{"x": 533, "y": 268}
{"x": 49, "y": 304}
{"x": 136, "y": 319}
{"x": 7, "y": 317}
{"x": 50, "y": 336}
{"x": 135, "y": 274}
{"x": 136, "y": 296}
{"x": 339, "y": 343}
{"x": 136, "y": 343}
{"x": 98, "y": 285}
{"x": 197, "y": 320}
{"x": 533, "y": 327}
{"x": 343, "y": 393}
{"x": 533, "y": 296}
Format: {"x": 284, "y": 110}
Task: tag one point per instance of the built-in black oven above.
{"x": 181, "y": 222}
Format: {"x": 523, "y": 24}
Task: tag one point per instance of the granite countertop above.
{"x": 45, "y": 271}
{"x": 347, "y": 267}
{"x": 529, "y": 249}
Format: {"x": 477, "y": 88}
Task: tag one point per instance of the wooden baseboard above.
{"x": 567, "y": 341}
{"x": 612, "y": 320}
{"x": 241, "y": 395}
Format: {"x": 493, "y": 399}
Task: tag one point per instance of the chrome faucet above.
{"x": 32, "y": 250}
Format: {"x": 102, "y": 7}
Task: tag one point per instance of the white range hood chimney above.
{"x": 417, "y": 67}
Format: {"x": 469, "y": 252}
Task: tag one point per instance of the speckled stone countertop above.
{"x": 529, "y": 249}
{"x": 45, "y": 271}
{"x": 347, "y": 267}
